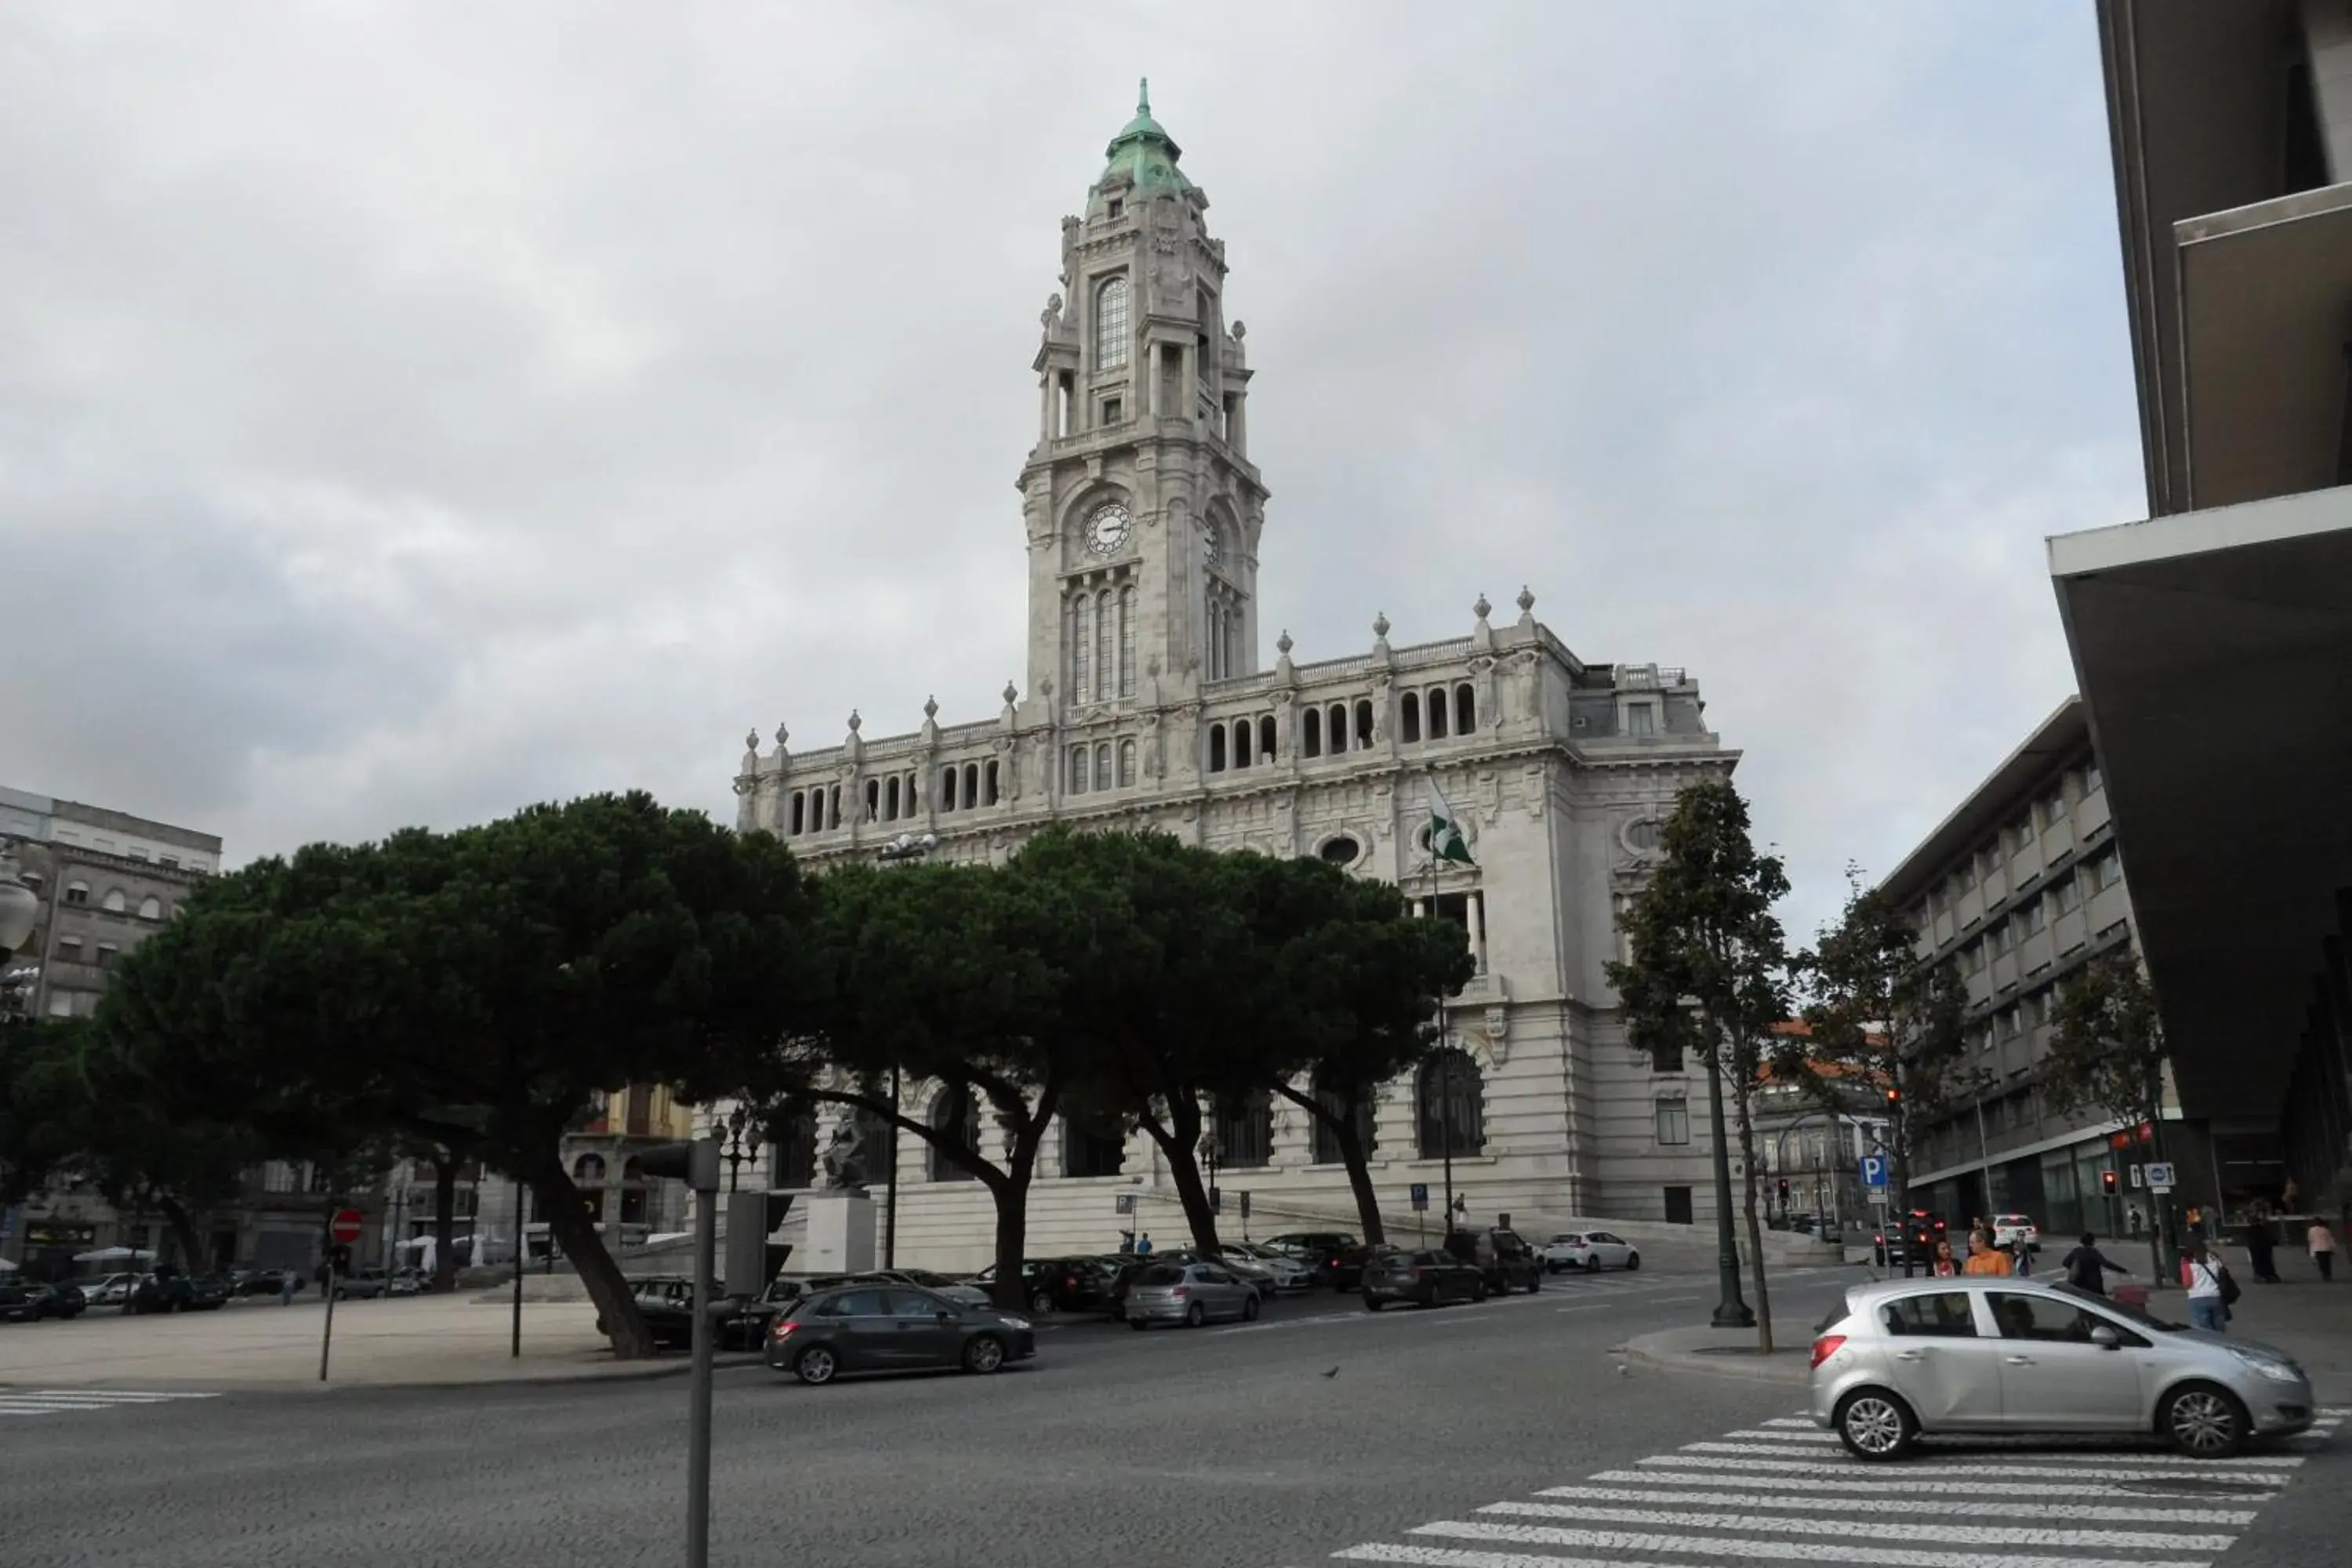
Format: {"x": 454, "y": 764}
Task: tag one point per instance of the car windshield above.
{"x": 2128, "y": 1313}
{"x": 1161, "y": 1274}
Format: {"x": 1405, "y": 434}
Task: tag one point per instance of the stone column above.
{"x": 1478, "y": 909}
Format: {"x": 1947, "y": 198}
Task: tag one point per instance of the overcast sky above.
{"x": 409, "y": 410}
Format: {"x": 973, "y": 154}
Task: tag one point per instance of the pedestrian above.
{"x": 2086, "y": 1266}
{"x": 2206, "y": 1279}
{"x": 2261, "y": 1249}
{"x": 1984, "y": 1257}
{"x": 2138, "y": 1222}
{"x": 1126, "y": 1242}
{"x": 1143, "y": 1245}
{"x": 287, "y": 1280}
{"x": 2021, "y": 1257}
{"x": 1946, "y": 1265}
{"x": 2322, "y": 1242}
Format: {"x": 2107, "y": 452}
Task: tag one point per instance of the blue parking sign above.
{"x": 1874, "y": 1170}
{"x": 1421, "y": 1196}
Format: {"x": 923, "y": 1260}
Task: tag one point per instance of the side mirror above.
{"x": 945, "y": 1317}
{"x": 2106, "y": 1339}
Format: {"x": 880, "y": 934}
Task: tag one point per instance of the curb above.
{"x": 1789, "y": 1373}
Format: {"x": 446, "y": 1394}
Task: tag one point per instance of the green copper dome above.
{"x": 1143, "y": 152}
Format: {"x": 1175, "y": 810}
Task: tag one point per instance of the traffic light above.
{"x": 1784, "y": 1192}
{"x": 2108, "y": 1182}
{"x": 695, "y": 1164}
{"x": 752, "y": 1259}
{"x": 1894, "y": 1097}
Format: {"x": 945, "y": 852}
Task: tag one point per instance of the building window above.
{"x": 1434, "y": 710}
{"x": 1217, "y": 748}
{"x": 1674, "y": 1120}
{"x": 791, "y": 1157}
{"x": 1127, "y": 641}
{"x": 2009, "y": 1024}
{"x": 2036, "y": 915}
{"x": 1266, "y": 736}
{"x": 1363, "y": 723}
{"x": 1112, "y": 413}
{"x": 170, "y": 862}
{"x": 1113, "y": 207}
{"x": 278, "y": 1176}
{"x": 1999, "y": 939}
{"x": 1095, "y": 1147}
{"x": 1244, "y": 1130}
{"x": 1127, "y": 764}
{"x": 2069, "y": 894}
{"x": 2106, "y": 870}
{"x": 1465, "y": 709}
{"x": 1409, "y": 717}
{"x": 1641, "y": 719}
{"x": 61, "y": 1005}
{"x": 2053, "y": 810}
{"x": 1310, "y": 732}
{"x": 956, "y": 1115}
{"x": 1082, "y": 638}
{"x": 1110, "y": 325}
{"x": 1335, "y": 1101}
{"x": 1338, "y": 729}
{"x": 1102, "y": 765}
{"x": 322, "y": 1179}
{"x": 1341, "y": 850}
{"x": 1078, "y": 756}
{"x": 1452, "y": 1101}
{"x": 948, "y": 779}
{"x": 69, "y": 950}
{"x": 107, "y": 953}
{"x": 2093, "y": 781}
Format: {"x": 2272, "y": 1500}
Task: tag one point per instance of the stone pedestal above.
{"x": 840, "y": 1234}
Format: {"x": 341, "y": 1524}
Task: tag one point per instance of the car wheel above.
{"x": 1593, "y": 1263}
{"x": 1249, "y": 1310}
{"x": 2202, "y": 1420}
{"x": 1041, "y": 1303}
{"x": 1138, "y": 1324}
{"x": 984, "y": 1355}
{"x": 1478, "y": 1291}
{"x": 1632, "y": 1260}
{"x": 1373, "y": 1303}
{"x": 1535, "y": 1282}
{"x": 1874, "y": 1425}
{"x": 1195, "y": 1315}
{"x": 815, "y": 1366}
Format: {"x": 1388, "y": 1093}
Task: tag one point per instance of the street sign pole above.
{"x": 327, "y": 1335}
{"x": 342, "y": 1231}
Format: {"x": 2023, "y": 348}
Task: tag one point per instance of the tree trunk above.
{"x": 184, "y": 1232}
{"x": 445, "y": 1222}
{"x": 1744, "y": 1098}
{"x": 1011, "y": 1191}
{"x": 1178, "y": 1137}
{"x": 1352, "y": 1155}
{"x": 568, "y": 1223}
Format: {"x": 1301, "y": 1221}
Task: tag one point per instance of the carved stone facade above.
{"x": 1146, "y": 707}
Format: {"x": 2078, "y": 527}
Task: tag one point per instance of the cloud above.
{"x": 407, "y": 411}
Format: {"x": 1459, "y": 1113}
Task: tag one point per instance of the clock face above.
{"x": 1106, "y": 529}
{"x": 1213, "y": 549}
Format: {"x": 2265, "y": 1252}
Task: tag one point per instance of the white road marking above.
{"x": 1441, "y": 1557}
{"x": 2088, "y": 1473}
{"x": 1900, "y": 1479}
{"x": 2095, "y": 1513}
{"x": 2040, "y": 1456}
{"x": 1719, "y": 1547}
{"x": 64, "y": 1401}
{"x": 1814, "y": 1436}
{"x": 1964, "y": 1534}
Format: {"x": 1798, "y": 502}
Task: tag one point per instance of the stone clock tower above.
{"x": 1141, "y": 506}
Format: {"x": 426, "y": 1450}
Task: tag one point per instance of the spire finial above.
{"x": 1143, "y": 95}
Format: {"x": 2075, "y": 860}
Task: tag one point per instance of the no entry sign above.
{"x": 346, "y": 1226}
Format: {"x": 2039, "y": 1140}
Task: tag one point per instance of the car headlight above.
{"x": 1014, "y": 1323}
{"x": 2277, "y": 1371}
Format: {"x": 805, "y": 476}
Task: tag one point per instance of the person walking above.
{"x": 1946, "y": 1265}
{"x": 2261, "y": 1245}
{"x": 2087, "y": 1268}
{"x": 1143, "y": 1245}
{"x": 1984, "y": 1257}
{"x": 287, "y": 1282}
{"x": 2322, "y": 1242}
{"x": 2203, "y": 1275}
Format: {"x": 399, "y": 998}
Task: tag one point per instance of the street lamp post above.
{"x": 903, "y": 848}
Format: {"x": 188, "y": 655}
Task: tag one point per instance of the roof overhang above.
{"x": 2213, "y": 651}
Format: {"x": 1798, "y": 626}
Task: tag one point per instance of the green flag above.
{"x": 1446, "y": 838}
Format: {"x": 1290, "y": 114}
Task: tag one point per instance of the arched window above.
{"x": 971, "y": 784}
{"x": 1127, "y": 641}
{"x": 150, "y": 908}
{"x": 1092, "y": 1146}
{"x": 1217, "y": 748}
{"x": 955, "y": 1114}
{"x": 1106, "y": 646}
{"x": 1242, "y": 1125}
{"x": 1127, "y": 764}
{"x": 115, "y": 902}
{"x": 1363, "y": 723}
{"x": 1437, "y": 712}
{"x": 1452, "y": 1101}
{"x": 588, "y": 1171}
{"x": 1409, "y": 717}
{"x": 890, "y": 799}
{"x": 1465, "y": 709}
{"x": 1077, "y": 769}
{"x": 833, "y": 807}
{"x": 989, "y": 778}
{"x": 1102, "y": 765}
{"x": 1336, "y": 1101}
{"x": 1082, "y": 641}
{"x": 1338, "y": 728}
{"x": 1266, "y": 736}
{"x": 1110, "y": 324}
{"x": 799, "y": 811}
{"x": 77, "y": 892}
{"x": 1242, "y": 743}
{"x": 1216, "y": 640}
{"x": 948, "y": 788}
{"x": 1310, "y": 732}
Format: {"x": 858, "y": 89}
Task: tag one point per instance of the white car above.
{"x": 1592, "y": 1250}
{"x": 2008, "y": 1229}
{"x": 1284, "y": 1271}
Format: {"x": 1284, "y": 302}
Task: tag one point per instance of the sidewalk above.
{"x": 2311, "y": 1321}
{"x": 419, "y": 1341}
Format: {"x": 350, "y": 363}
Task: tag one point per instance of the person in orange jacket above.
{"x": 1984, "y": 1257}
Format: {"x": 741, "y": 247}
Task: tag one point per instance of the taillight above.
{"x": 780, "y": 1331}
{"x": 1420, "y": 1273}
{"x": 1827, "y": 1346}
{"x": 1070, "y": 1283}
{"x": 1179, "y": 1293}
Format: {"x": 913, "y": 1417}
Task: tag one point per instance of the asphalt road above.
{"x": 1222, "y": 1446}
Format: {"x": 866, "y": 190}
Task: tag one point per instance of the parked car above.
{"x": 667, "y": 1304}
{"x": 1284, "y": 1271}
{"x": 1134, "y": 1269}
{"x": 175, "y": 1292}
{"x": 1425, "y": 1278}
{"x": 408, "y": 1282}
{"x": 1056, "y": 1284}
{"x": 2010, "y": 1229}
{"x": 1925, "y": 1229}
{"x": 1189, "y": 1293}
{"x": 1506, "y": 1262}
{"x": 262, "y": 1282}
{"x": 962, "y": 1292}
{"x": 1909, "y": 1357}
{"x": 869, "y": 1328}
{"x": 1592, "y": 1250}
{"x": 110, "y": 1290}
{"x": 1326, "y": 1252}
{"x": 27, "y": 1301}
{"x": 362, "y": 1284}
{"x": 206, "y": 1293}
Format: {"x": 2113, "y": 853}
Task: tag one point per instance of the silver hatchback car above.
{"x": 1958, "y": 1355}
{"x": 1189, "y": 1293}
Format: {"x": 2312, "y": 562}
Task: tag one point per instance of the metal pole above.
{"x": 698, "y": 1453}
{"x": 327, "y": 1335}
{"x": 1984, "y": 1160}
{"x": 891, "y": 1187}
{"x": 1445, "y": 1118}
{"x": 1731, "y": 1311}
{"x": 515, "y": 1349}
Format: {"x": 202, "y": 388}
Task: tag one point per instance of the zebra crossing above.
{"x": 67, "y": 1401}
{"x": 2016, "y": 1503}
